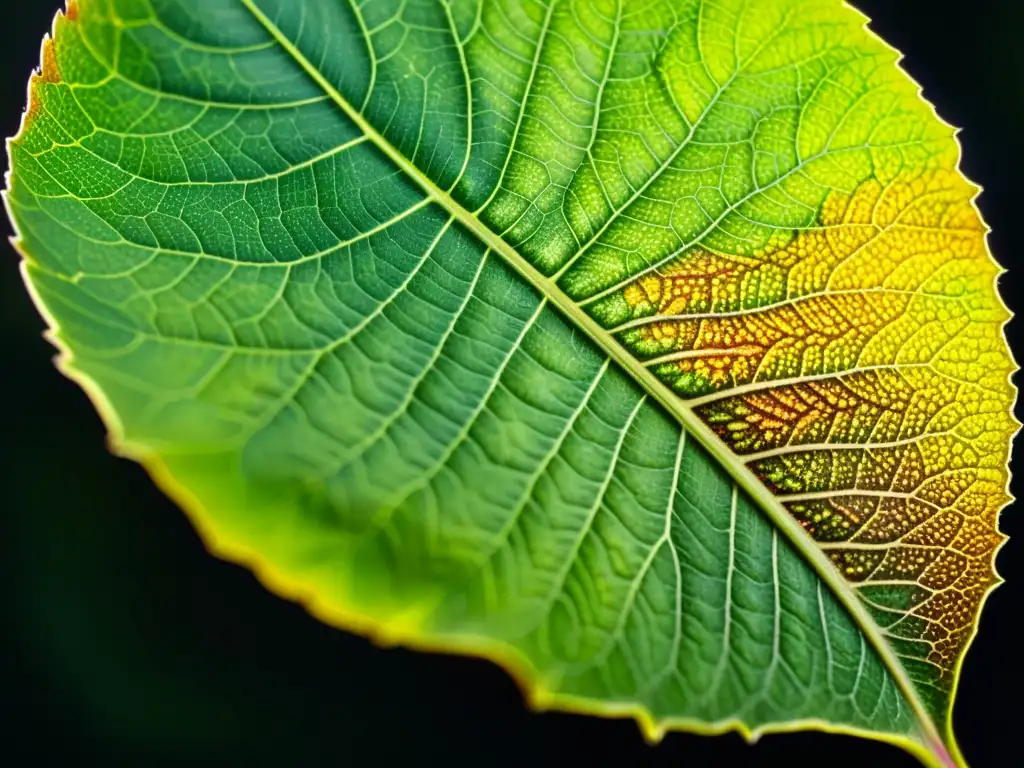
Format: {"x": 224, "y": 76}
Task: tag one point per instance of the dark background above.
{"x": 127, "y": 644}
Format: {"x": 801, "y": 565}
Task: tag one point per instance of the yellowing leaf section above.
{"x": 859, "y": 369}
{"x": 546, "y": 331}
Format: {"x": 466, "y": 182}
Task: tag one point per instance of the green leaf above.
{"x": 651, "y": 349}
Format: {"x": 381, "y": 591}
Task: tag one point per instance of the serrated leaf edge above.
{"x": 933, "y": 751}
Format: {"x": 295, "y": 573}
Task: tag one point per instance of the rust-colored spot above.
{"x": 49, "y": 75}
{"x": 51, "y": 71}
{"x": 72, "y": 12}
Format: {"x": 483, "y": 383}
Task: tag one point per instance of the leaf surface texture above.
{"x": 649, "y": 348}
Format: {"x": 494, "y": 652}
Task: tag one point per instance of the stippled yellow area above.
{"x": 861, "y": 372}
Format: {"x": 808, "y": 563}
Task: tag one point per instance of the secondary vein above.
{"x": 548, "y": 289}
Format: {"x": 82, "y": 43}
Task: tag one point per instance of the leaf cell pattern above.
{"x": 333, "y": 269}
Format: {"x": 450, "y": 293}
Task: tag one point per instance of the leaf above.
{"x": 650, "y": 349}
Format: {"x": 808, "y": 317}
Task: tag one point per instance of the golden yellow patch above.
{"x": 860, "y": 370}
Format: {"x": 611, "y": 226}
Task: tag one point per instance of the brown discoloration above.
{"x": 31, "y": 111}
{"x": 892, "y": 414}
{"x": 51, "y": 70}
{"x": 48, "y": 75}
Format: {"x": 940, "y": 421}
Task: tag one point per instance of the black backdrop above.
{"x": 127, "y": 644}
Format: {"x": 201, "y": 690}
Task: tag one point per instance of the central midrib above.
{"x": 743, "y": 477}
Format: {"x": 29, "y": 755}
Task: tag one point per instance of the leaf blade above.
{"x": 550, "y": 288}
{"x": 498, "y": 243}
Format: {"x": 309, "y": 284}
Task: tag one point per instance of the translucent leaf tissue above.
{"x": 650, "y": 348}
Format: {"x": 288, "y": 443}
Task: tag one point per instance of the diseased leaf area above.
{"x": 528, "y": 329}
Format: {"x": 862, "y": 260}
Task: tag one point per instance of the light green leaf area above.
{"x": 649, "y": 348}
